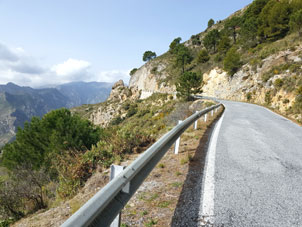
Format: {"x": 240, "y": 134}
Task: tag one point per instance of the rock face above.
{"x": 110, "y": 109}
{"x": 120, "y": 92}
{"x": 150, "y": 78}
{"x": 249, "y": 81}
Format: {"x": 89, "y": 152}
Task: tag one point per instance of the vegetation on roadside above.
{"x": 53, "y": 157}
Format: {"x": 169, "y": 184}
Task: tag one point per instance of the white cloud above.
{"x": 8, "y": 54}
{"x": 114, "y": 75}
{"x": 18, "y": 67}
{"x": 71, "y": 66}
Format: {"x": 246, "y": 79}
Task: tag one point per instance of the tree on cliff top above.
{"x": 148, "y": 55}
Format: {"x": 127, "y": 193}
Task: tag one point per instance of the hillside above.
{"x": 19, "y": 104}
{"x": 255, "y": 55}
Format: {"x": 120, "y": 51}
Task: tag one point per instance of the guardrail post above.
{"x": 195, "y": 123}
{"x": 205, "y": 117}
{"x": 212, "y": 112}
{"x": 114, "y": 171}
{"x": 216, "y": 110}
{"x": 176, "y": 147}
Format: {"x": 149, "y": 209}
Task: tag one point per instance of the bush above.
{"x": 266, "y": 76}
{"x": 174, "y": 44}
{"x": 203, "y": 56}
{"x": 224, "y": 45}
{"x": 41, "y": 139}
{"x": 278, "y": 83}
{"x": 218, "y": 58}
{"x": 195, "y": 40}
{"x": 268, "y": 98}
{"x": 116, "y": 120}
{"x": 132, "y": 111}
{"x": 249, "y": 96}
{"x": 232, "y": 62}
{"x": 133, "y": 71}
{"x": 154, "y": 70}
{"x": 211, "y": 22}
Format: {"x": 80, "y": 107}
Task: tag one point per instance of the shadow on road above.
{"x": 187, "y": 209}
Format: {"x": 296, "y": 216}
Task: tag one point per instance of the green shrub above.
{"x": 268, "y": 98}
{"x": 278, "y": 83}
{"x": 42, "y": 139}
{"x": 133, "y": 71}
{"x": 117, "y": 120}
{"x": 249, "y": 96}
{"x": 232, "y": 61}
{"x": 143, "y": 112}
{"x": 195, "y": 40}
{"x": 266, "y": 76}
{"x": 161, "y": 165}
{"x": 132, "y": 111}
{"x": 154, "y": 70}
{"x": 211, "y": 22}
{"x": 203, "y": 56}
{"x": 285, "y": 101}
{"x": 218, "y": 58}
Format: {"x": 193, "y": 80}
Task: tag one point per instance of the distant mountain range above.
{"x": 19, "y": 104}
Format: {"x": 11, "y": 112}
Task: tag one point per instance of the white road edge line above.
{"x": 207, "y": 197}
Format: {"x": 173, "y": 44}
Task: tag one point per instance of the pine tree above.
{"x": 210, "y": 41}
{"x": 189, "y": 83}
{"x": 296, "y": 22}
{"x": 232, "y": 61}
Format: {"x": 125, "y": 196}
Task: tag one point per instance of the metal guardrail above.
{"x": 104, "y": 206}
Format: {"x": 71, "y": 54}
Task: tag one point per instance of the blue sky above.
{"x": 46, "y": 42}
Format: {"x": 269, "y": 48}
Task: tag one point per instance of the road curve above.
{"x": 258, "y": 169}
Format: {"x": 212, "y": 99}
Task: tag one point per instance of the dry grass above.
{"x": 159, "y": 195}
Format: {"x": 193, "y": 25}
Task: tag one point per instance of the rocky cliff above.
{"x": 248, "y": 85}
{"x": 105, "y": 112}
{"x": 150, "y": 78}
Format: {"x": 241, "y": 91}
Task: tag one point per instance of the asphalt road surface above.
{"x": 253, "y": 170}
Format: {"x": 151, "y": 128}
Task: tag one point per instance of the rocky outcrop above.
{"x": 150, "y": 78}
{"x": 120, "y": 92}
{"x": 112, "y": 108}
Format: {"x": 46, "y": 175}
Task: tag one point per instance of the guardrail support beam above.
{"x": 176, "y": 147}
{"x": 114, "y": 171}
{"x": 195, "y": 123}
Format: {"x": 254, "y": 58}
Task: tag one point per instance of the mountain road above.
{"x": 253, "y": 172}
